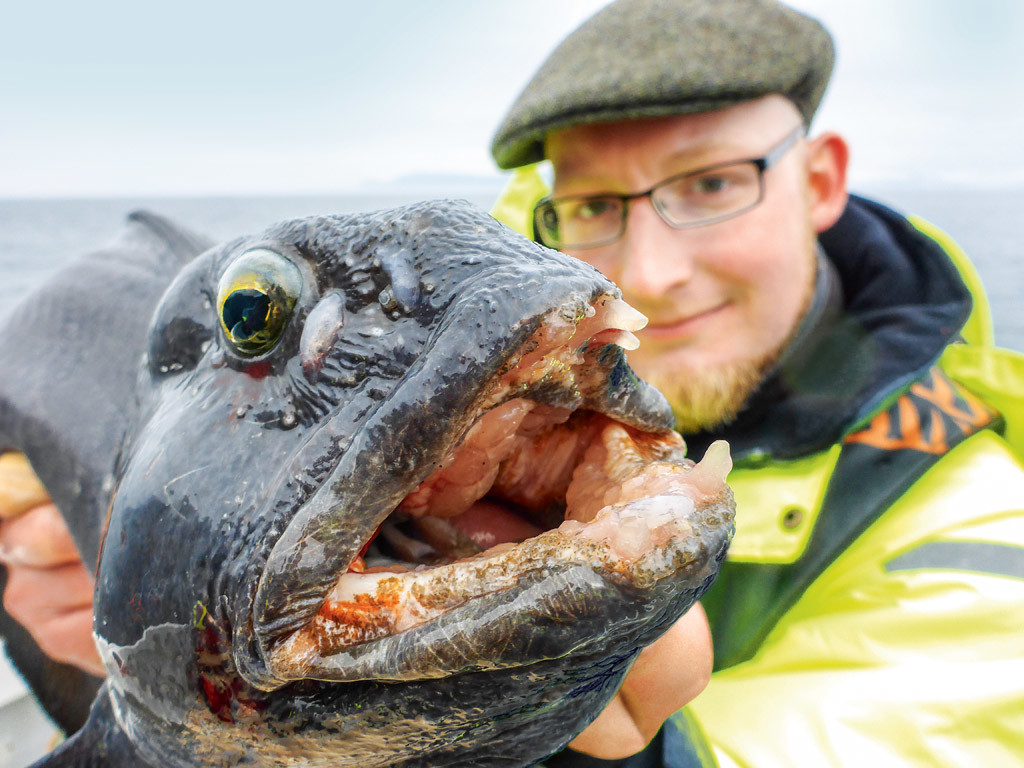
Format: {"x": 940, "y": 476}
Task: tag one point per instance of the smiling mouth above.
{"x": 530, "y": 486}
{"x": 685, "y": 326}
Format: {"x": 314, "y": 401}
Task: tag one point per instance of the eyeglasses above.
{"x": 692, "y": 199}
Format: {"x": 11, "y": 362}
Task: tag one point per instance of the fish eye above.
{"x": 255, "y": 299}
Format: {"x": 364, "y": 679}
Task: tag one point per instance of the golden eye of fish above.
{"x": 255, "y": 300}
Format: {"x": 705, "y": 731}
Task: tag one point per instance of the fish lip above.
{"x": 305, "y": 559}
{"x": 682, "y": 567}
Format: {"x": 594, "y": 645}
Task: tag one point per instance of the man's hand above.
{"x": 668, "y": 673}
{"x": 49, "y": 590}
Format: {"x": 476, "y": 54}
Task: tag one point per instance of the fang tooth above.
{"x": 618, "y": 314}
{"x": 708, "y": 476}
{"x": 625, "y": 339}
{"x": 633, "y": 538}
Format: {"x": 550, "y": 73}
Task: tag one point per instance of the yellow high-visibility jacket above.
{"x": 894, "y": 638}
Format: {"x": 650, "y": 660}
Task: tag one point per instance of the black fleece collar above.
{"x": 887, "y": 301}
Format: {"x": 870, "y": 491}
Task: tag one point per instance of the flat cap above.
{"x": 651, "y": 58}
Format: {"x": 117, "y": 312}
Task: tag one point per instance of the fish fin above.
{"x": 70, "y": 356}
{"x": 71, "y": 353}
{"x": 100, "y": 744}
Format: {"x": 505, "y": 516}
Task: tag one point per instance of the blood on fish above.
{"x": 259, "y": 370}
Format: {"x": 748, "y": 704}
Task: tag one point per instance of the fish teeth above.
{"x": 630, "y": 530}
{"x": 624, "y": 339}
{"x": 618, "y": 314}
{"x": 708, "y": 476}
{"x": 385, "y": 602}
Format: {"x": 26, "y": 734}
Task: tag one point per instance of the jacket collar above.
{"x": 887, "y": 301}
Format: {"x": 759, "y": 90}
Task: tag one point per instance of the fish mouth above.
{"x": 552, "y": 482}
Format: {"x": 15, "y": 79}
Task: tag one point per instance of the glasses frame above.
{"x": 763, "y": 163}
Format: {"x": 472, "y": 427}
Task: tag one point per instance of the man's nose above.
{"x": 655, "y": 257}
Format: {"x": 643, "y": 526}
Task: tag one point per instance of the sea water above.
{"x": 37, "y": 236}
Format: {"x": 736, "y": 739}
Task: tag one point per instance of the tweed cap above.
{"x": 651, "y": 58}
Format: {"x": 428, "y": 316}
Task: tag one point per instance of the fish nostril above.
{"x": 404, "y": 289}
{"x": 320, "y": 333}
{"x": 387, "y": 300}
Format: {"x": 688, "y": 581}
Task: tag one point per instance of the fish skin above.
{"x": 242, "y": 488}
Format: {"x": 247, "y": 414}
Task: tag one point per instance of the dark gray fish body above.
{"x": 239, "y": 425}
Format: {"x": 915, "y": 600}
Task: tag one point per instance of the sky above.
{"x": 188, "y": 98}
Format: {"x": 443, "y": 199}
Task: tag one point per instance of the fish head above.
{"x": 393, "y": 497}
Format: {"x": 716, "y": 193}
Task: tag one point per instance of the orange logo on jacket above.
{"x": 933, "y": 415}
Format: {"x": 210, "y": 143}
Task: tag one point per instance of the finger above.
{"x": 38, "y": 538}
{"x": 68, "y": 638}
{"x": 34, "y": 595}
{"x": 55, "y": 606}
{"x": 20, "y": 489}
{"x": 612, "y": 736}
{"x": 670, "y": 672}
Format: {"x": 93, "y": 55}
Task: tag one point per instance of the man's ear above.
{"x": 827, "y": 158}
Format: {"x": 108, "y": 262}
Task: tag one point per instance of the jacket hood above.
{"x": 888, "y": 301}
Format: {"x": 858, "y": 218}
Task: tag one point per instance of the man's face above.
{"x": 724, "y": 298}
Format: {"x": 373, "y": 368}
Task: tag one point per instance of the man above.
{"x": 871, "y": 606}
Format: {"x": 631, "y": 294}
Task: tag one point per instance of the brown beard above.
{"x": 704, "y": 398}
{"x": 708, "y": 397}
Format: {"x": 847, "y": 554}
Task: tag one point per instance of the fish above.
{"x": 375, "y": 490}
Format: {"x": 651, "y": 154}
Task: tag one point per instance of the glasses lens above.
{"x": 579, "y": 222}
{"x": 545, "y": 224}
{"x": 709, "y": 195}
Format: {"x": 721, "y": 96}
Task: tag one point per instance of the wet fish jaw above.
{"x": 633, "y": 543}
{"x": 637, "y": 512}
{"x": 479, "y": 355}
